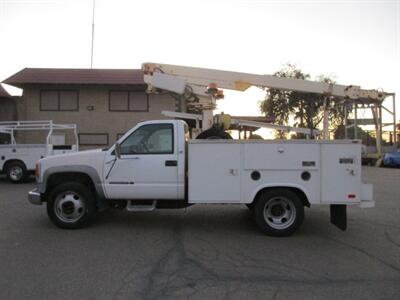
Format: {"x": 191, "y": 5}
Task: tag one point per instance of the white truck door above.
{"x": 148, "y": 167}
{"x": 214, "y": 171}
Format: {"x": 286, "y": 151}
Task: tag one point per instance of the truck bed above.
{"x": 28, "y": 153}
{"x": 229, "y": 171}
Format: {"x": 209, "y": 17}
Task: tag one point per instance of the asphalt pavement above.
{"x": 202, "y": 252}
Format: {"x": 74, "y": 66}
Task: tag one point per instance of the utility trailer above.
{"x": 17, "y": 160}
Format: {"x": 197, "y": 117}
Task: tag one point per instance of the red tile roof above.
{"x": 76, "y": 76}
{"x": 4, "y": 93}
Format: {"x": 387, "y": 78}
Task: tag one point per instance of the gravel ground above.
{"x": 212, "y": 251}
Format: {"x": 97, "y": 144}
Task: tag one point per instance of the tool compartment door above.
{"x": 214, "y": 171}
{"x": 341, "y": 173}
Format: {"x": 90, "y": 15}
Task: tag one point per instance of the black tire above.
{"x": 16, "y": 172}
{"x": 278, "y": 212}
{"x": 71, "y": 205}
{"x": 214, "y": 133}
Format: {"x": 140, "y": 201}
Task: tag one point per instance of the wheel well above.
{"x": 5, "y": 166}
{"x": 57, "y": 178}
{"x": 297, "y": 191}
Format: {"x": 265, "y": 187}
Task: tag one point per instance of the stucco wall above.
{"x": 8, "y": 112}
{"x": 98, "y": 120}
{"x": 7, "y": 109}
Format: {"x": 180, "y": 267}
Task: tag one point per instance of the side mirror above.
{"x": 117, "y": 150}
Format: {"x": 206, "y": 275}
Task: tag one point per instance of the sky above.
{"x": 356, "y": 42}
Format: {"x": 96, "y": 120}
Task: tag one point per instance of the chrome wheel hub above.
{"x": 16, "y": 173}
{"x": 279, "y": 213}
{"x": 69, "y": 207}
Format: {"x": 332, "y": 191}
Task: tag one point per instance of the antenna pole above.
{"x": 91, "y": 55}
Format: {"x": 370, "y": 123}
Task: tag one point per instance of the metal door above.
{"x": 148, "y": 167}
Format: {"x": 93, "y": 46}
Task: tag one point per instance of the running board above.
{"x": 132, "y": 205}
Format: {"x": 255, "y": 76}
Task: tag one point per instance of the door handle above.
{"x": 171, "y": 163}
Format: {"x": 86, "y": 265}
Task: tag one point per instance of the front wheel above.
{"x": 71, "y": 205}
{"x": 279, "y": 212}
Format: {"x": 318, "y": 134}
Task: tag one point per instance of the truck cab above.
{"x": 150, "y": 164}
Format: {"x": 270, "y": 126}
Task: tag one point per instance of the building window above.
{"x": 128, "y": 101}
{"x": 59, "y": 100}
{"x": 93, "y": 139}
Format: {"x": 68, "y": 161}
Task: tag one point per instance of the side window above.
{"x": 150, "y": 139}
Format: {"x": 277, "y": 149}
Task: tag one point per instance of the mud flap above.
{"x": 339, "y": 216}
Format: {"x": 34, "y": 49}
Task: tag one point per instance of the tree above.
{"x": 306, "y": 109}
{"x": 365, "y": 136}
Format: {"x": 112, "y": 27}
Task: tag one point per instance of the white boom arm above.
{"x": 179, "y": 76}
{"x": 204, "y": 84}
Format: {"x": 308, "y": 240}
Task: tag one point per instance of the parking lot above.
{"x": 202, "y": 252}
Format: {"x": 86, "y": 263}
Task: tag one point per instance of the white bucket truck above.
{"x": 156, "y": 165}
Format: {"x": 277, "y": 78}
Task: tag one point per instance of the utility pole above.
{"x": 91, "y": 55}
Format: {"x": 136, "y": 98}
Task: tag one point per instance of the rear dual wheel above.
{"x": 278, "y": 212}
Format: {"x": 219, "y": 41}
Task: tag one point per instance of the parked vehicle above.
{"x": 155, "y": 165}
{"x": 392, "y": 159}
{"x": 18, "y": 160}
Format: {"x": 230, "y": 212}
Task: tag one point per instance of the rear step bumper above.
{"x": 338, "y": 212}
{"x": 367, "y": 193}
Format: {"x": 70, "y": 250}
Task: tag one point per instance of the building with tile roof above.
{"x": 104, "y": 103}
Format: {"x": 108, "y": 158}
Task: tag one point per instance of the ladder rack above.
{"x": 9, "y": 127}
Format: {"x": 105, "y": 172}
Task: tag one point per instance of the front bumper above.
{"x": 35, "y": 197}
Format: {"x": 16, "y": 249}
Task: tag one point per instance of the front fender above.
{"x": 84, "y": 169}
